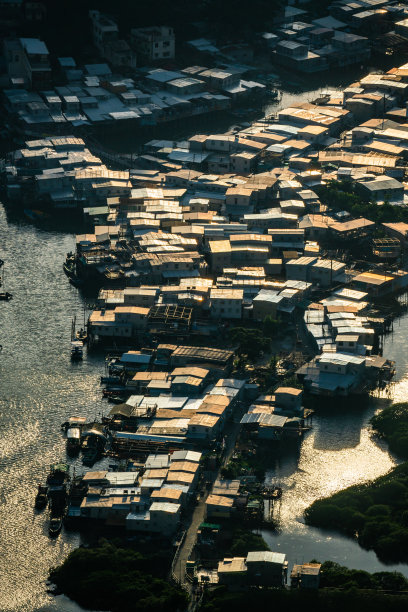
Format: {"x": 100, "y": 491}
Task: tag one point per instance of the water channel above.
{"x": 40, "y": 388}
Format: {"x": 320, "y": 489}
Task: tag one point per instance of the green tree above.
{"x": 270, "y": 326}
{"x": 106, "y": 577}
{"x": 250, "y": 341}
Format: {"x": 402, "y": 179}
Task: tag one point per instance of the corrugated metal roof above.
{"x": 272, "y": 420}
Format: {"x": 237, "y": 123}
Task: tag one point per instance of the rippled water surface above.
{"x": 338, "y": 452}
{"x": 40, "y": 388}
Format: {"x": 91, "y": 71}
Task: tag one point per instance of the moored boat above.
{"x": 74, "y": 421}
{"x": 77, "y": 349}
{"x": 57, "y": 483}
{"x": 69, "y": 267}
{"x": 73, "y": 440}
{"x": 93, "y": 443}
{"x": 41, "y": 498}
{"x": 5, "y": 296}
{"x": 55, "y": 525}
{"x": 82, "y": 335}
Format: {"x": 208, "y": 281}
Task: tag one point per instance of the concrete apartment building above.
{"x": 154, "y": 43}
{"x": 104, "y": 30}
{"x": 226, "y": 303}
{"x": 28, "y": 61}
{"x": 105, "y": 34}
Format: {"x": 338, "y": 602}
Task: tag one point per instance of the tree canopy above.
{"x": 375, "y": 513}
{"x": 251, "y": 341}
{"x": 341, "y": 195}
{"x": 392, "y": 424}
{"x": 106, "y": 577}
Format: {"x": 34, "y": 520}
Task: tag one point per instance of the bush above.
{"x": 110, "y": 578}
{"x": 392, "y": 425}
{"x": 244, "y": 541}
{"x": 376, "y": 512}
{"x": 341, "y": 195}
{"x": 251, "y": 341}
{"x": 221, "y": 599}
{"x": 270, "y": 326}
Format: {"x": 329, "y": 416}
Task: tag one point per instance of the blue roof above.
{"x": 34, "y": 46}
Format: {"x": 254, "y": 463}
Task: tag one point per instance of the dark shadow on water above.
{"x": 68, "y": 222}
{"x": 338, "y": 423}
{"x": 283, "y": 461}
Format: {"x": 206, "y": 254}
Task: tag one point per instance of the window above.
{"x": 156, "y": 45}
{"x": 166, "y": 43}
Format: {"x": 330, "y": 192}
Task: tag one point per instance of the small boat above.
{"x": 82, "y": 335}
{"x": 55, "y": 526}
{"x": 90, "y": 455}
{"x": 276, "y": 493}
{"x": 59, "y": 475}
{"x": 57, "y": 482}
{"x": 5, "y": 296}
{"x": 41, "y": 499}
{"x": 69, "y": 267}
{"x": 93, "y": 443}
{"x": 77, "y": 349}
{"x": 73, "y": 440}
{"x": 74, "y": 421}
{"x": 110, "y": 380}
{"x": 273, "y": 493}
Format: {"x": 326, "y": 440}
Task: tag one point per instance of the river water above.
{"x": 40, "y": 388}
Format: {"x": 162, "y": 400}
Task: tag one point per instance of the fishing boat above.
{"x": 73, "y": 440}
{"x": 82, "y": 335}
{"x": 5, "y": 296}
{"x": 110, "y": 380}
{"x": 57, "y": 494}
{"x": 90, "y": 456}
{"x": 69, "y": 267}
{"x": 57, "y": 480}
{"x": 55, "y": 526}
{"x": 77, "y": 350}
{"x": 74, "y": 421}
{"x": 78, "y": 338}
{"x": 41, "y": 498}
{"x": 93, "y": 444}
